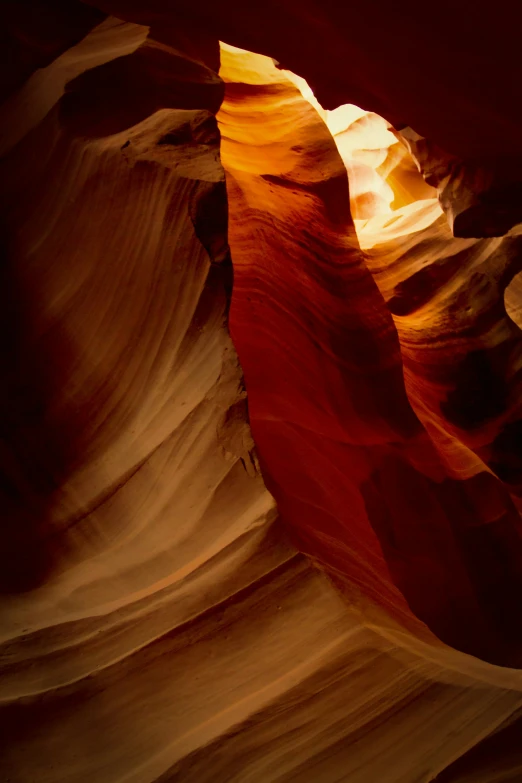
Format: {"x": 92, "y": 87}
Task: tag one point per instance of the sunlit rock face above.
{"x": 378, "y": 58}
{"x": 260, "y": 476}
{"x": 378, "y": 450}
{"x": 467, "y": 101}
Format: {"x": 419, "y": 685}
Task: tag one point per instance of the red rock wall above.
{"x": 356, "y": 475}
{"x": 155, "y": 622}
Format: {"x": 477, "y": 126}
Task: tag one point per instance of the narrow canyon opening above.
{"x": 345, "y": 268}
{"x": 261, "y": 383}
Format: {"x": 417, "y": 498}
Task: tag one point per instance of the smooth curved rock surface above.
{"x": 350, "y": 464}
{"x": 466, "y": 102}
{"x": 381, "y": 58}
{"x": 479, "y": 198}
{"x": 33, "y": 34}
{"x": 158, "y": 622}
{"x": 513, "y": 299}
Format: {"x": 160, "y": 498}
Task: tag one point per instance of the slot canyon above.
{"x": 261, "y": 392}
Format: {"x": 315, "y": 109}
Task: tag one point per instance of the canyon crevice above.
{"x": 261, "y": 447}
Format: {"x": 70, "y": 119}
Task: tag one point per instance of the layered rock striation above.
{"x": 300, "y": 561}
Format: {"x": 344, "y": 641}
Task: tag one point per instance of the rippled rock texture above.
{"x": 297, "y": 562}
{"x": 375, "y": 436}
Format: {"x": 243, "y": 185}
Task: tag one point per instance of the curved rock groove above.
{"x": 357, "y": 475}
{"x": 159, "y": 620}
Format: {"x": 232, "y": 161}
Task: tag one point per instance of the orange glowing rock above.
{"x": 384, "y": 498}
{"x": 156, "y": 622}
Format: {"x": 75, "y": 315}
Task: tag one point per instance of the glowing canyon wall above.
{"x": 261, "y": 366}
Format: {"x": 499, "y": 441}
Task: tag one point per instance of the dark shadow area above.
{"x": 34, "y": 33}
{"x": 125, "y": 91}
{"x": 454, "y": 549}
{"x": 35, "y": 452}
